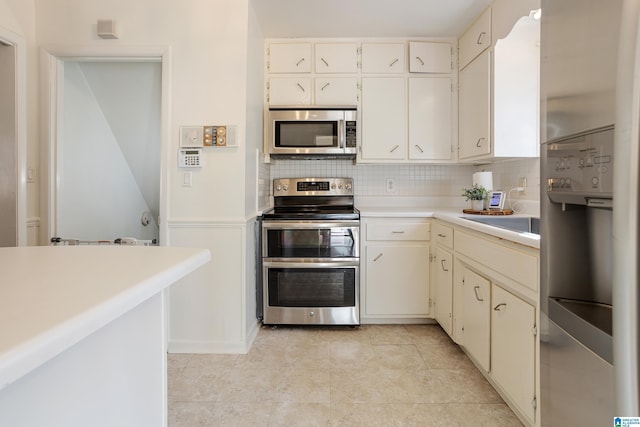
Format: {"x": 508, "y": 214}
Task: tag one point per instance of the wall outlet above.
{"x": 522, "y": 184}
{"x": 391, "y": 185}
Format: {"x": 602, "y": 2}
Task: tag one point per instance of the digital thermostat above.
{"x": 496, "y": 200}
{"x": 190, "y": 157}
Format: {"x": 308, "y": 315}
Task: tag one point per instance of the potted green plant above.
{"x": 477, "y": 194}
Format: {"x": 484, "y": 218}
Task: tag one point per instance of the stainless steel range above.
{"x": 310, "y": 254}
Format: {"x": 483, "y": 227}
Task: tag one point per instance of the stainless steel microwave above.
{"x": 311, "y": 131}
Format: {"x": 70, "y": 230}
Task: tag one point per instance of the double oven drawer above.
{"x": 311, "y": 272}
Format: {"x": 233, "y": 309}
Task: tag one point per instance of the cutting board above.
{"x": 488, "y": 212}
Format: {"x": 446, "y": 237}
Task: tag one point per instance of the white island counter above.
{"x": 83, "y": 336}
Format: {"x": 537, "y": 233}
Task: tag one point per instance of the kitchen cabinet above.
{"x": 513, "y": 341}
{"x": 498, "y": 97}
{"x": 384, "y": 118}
{"x": 289, "y": 91}
{"x": 336, "y": 91}
{"x": 430, "y": 57}
{"x": 395, "y": 275}
{"x": 443, "y": 278}
{"x": 475, "y": 40}
{"x": 336, "y": 58}
{"x": 475, "y": 108}
{"x": 289, "y": 58}
{"x": 430, "y": 118}
{"x": 383, "y": 58}
{"x": 476, "y": 319}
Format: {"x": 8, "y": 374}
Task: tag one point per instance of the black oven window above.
{"x": 312, "y": 287}
{"x": 307, "y": 134}
{"x": 338, "y": 242}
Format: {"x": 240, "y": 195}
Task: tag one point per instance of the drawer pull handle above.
{"x": 479, "y": 143}
{"x": 378, "y": 257}
{"x": 397, "y": 232}
{"x": 442, "y": 235}
{"x": 420, "y": 59}
{"x": 419, "y": 148}
{"x": 394, "y": 148}
{"x": 300, "y": 86}
{"x": 497, "y": 307}
{"x": 475, "y": 289}
{"x": 299, "y": 62}
{"x": 324, "y": 61}
{"x": 442, "y": 263}
{"x": 393, "y": 62}
{"x": 325, "y": 86}
{"x": 481, "y": 37}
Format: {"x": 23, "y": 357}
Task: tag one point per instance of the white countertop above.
{"x": 454, "y": 216}
{"x": 51, "y": 297}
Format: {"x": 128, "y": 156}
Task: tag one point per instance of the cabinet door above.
{"x": 384, "y": 118}
{"x": 290, "y": 58}
{"x": 290, "y": 91}
{"x": 336, "y": 58}
{"x": 443, "y": 276}
{"x": 475, "y": 40}
{"x": 474, "y": 132}
{"x": 430, "y": 118}
{"x": 383, "y": 57}
{"x": 513, "y": 348}
{"x": 476, "y": 317}
{"x": 428, "y": 57}
{"x": 336, "y": 91}
{"x": 397, "y": 280}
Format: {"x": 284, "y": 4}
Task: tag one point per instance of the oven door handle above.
{"x": 301, "y": 225}
{"x": 311, "y": 264}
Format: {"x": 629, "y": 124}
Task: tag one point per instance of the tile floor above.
{"x": 374, "y": 375}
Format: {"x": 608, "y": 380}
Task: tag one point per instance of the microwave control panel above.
{"x": 581, "y": 165}
{"x": 350, "y": 134}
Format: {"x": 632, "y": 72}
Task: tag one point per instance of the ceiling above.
{"x": 366, "y": 18}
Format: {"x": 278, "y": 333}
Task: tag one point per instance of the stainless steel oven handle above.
{"x": 301, "y": 264}
{"x": 304, "y": 224}
{"x": 341, "y": 134}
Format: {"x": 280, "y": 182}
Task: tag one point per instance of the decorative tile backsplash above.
{"x": 409, "y": 179}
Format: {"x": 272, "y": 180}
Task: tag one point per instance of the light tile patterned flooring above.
{"x": 374, "y": 375}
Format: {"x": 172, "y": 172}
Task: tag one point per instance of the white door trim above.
{"x": 51, "y": 70}
{"x": 20, "y": 46}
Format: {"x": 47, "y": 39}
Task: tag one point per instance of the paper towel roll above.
{"x": 484, "y": 179}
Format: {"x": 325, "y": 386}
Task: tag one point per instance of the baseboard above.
{"x": 207, "y": 347}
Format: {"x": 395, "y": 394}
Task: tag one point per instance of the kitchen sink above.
{"x": 519, "y": 224}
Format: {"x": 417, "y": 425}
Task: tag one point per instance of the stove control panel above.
{"x": 313, "y": 187}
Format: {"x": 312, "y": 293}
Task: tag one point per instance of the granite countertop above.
{"x": 51, "y": 297}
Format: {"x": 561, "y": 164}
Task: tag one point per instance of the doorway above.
{"x": 8, "y": 147}
{"x": 108, "y": 153}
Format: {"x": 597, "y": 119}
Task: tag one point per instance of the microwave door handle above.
{"x": 341, "y": 134}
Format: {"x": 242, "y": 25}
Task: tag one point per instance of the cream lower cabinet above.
{"x": 443, "y": 287}
{"x": 513, "y": 344}
{"x": 395, "y": 274}
{"x": 476, "y": 318}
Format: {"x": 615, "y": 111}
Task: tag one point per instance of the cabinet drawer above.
{"x": 443, "y": 235}
{"x": 518, "y": 266}
{"x": 399, "y": 231}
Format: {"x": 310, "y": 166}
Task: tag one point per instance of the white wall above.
{"x": 99, "y": 197}
{"x": 207, "y": 84}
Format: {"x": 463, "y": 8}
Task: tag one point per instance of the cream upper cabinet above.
{"x": 383, "y": 58}
{"x": 474, "y": 135}
{"x": 336, "y": 58}
{"x": 336, "y": 91}
{"x": 498, "y": 98}
{"x": 289, "y": 91}
{"x": 513, "y": 349}
{"x": 289, "y": 58}
{"x": 430, "y": 57}
{"x": 475, "y": 40}
{"x": 430, "y": 118}
{"x": 384, "y": 118}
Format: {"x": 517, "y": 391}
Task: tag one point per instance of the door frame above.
{"x": 20, "y": 46}
{"x": 52, "y": 59}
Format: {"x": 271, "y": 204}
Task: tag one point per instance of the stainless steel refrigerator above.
{"x": 590, "y": 81}
{"x": 580, "y": 207}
